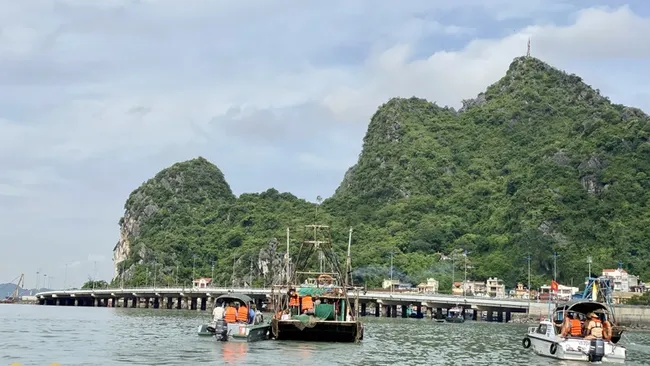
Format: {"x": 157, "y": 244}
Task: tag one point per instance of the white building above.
{"x": 623, "y": 282}
{"x": 494, "y": 287}
{"x": 563, "y": 292}
{"x": 474, "y": 288}
{"x": 202, "y": 282}
{"x": 431, "y": 286}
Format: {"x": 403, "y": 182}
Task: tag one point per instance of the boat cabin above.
{"x": 233, "y": 298}
{"x": 579, "y": 309}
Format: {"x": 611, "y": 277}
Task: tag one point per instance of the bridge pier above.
{"x": 193, "y": 303}
{"x": 363, "y": 309}
{"x": 475, "y": 315}
{"x": 156, "y": 302}
{"x": 405, "y": 311}
{"x": 500, "y": 316}
{"x": 113, "y": 301}
{"x": 204, "y": 303}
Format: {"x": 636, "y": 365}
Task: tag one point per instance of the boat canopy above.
{"x": 583, "y": 306}
{"x": 234, "y": 297}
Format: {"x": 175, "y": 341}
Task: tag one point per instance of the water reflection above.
{"x": 37, "y": 335}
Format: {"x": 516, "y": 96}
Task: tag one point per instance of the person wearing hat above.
{"x": 594, "y": 328}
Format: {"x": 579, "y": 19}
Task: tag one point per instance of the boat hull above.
{"x": 455, "y": 320}
{"x": 572, "y": 349}
{"x": 237, "y": 332}
{"x": 317, "y": 331}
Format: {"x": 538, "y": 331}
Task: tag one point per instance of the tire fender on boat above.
{"x": 526, "y": 342}
{"x": 553, "y": 348}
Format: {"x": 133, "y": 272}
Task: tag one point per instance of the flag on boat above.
{"x": 554, "y": 286}
{"x": 594, "y": 291}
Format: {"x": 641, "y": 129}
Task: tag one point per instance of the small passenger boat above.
{"x": 455, "y": 315}
{"x": 239, "y": 331}
{"x": 546, "y": 338}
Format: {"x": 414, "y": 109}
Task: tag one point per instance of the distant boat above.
{"x": 455, "y": 315}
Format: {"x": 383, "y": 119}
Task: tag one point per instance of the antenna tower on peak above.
{"x": 528, "y": 50}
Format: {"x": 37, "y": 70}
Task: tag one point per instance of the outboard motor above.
{"x": 221, "y": 331}
{"x": 596, "y": 350}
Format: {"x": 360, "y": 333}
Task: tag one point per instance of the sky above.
{"x": 98, "y": 96}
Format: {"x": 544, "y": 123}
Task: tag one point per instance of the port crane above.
{"x": 14, "y": 296}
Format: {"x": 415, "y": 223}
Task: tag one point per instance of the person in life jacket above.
{"x": 230, "y": 315}
{"x": 307, "y": 304}
{"x": 607, "y": 329}
{"x": 294, "y": 302}
{"x": 571, "y": 326}
{"x": 594, "y": 329}
{"x": 242, "y": 314}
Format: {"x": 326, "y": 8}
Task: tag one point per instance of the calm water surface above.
{"x": 40, "y": 335}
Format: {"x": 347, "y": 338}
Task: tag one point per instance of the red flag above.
{"x": 554, "y": 286}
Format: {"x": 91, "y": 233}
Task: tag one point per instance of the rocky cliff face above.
{"x": 177, "y": 188}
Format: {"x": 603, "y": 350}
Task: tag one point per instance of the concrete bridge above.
{"x": 378, "y": 303}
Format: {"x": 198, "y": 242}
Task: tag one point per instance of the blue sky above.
{"x": 97, "y": 96}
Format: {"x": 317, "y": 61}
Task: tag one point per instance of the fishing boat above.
{"x": 547, "y": 339}
{"x": 455, "y": 315}
{"x": 315, "y": 305}
{"x": 236, "y": 332}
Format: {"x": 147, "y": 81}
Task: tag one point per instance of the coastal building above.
{"x": 623, "y": 281}
{"x": 457, "y": 288}
{"x": 396, "y": 285}
{"x": 520, "y": 292}
{"x": 563, "y": 292}
{"x": 495, "y": 287}
{"x": 431, "y": 286}
{"x": 202, "y": 282}
{"x": 475, "y": 288}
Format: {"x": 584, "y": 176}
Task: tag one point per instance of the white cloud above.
{"x": 449, "y": 77}
{"x": 96, "y": 97}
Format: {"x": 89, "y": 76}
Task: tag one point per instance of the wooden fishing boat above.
{"x": 316, "y": 305}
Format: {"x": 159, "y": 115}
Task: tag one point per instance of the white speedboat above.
{"x": 546, "y": 338}
{"x": 236, "y": 332}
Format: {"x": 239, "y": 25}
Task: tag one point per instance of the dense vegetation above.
{"x": 538, "y": 164}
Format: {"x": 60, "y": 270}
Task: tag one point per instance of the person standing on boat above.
{"x": 294, "y": 302}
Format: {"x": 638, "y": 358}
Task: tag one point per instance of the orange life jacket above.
{"x": 242, "y": 314}
{"x": 576, "y": 328}
{"x": 293, "y": 301}
{"x": 307, "y": 303}
{"x": 230, "y": 315}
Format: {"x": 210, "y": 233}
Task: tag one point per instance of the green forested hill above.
{"x": 539, "y": 163}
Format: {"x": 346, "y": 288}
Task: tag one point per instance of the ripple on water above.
{"x": 36, "y": 335}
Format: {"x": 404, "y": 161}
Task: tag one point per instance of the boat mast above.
{"x": 348, "y": 262}
{"x": 286, "y": 259}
